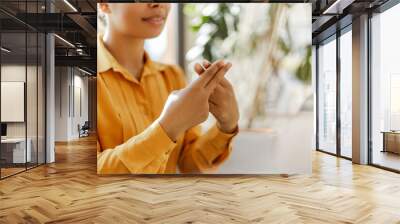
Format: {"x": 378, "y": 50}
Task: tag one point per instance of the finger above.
{"x": 206, "y": 63}
{"x": 214, "y": 82}
{"x": 198, "y": 68}
{"x": 217, "y": 77}
{"x": 209, "y": 73}
{"x": 225, "y": 83}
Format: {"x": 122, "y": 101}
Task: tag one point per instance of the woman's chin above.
{"x": 151, "y": 34}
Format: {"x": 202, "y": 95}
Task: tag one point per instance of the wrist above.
{"x": 169, "y": 128}
{"x": 227, "y": 128}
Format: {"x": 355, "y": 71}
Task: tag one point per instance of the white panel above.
{"x": 12, "y": 101}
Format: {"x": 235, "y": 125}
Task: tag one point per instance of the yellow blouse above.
{"x": 130, "y": 139}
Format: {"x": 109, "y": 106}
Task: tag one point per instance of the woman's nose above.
{"x": 154, "y": 5}
{"x": 158, "y": 5}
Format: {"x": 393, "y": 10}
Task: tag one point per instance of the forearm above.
{"x": 147, "y": 152}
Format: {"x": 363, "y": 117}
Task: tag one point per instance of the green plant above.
{"x": 285, "y": 43}
{"x": 303, "y": 72}
{"x": 212, "y": 23}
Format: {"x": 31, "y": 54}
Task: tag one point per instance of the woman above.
{"x": 147, "y": 117}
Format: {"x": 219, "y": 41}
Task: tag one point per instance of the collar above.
{"x": 106, "y": 61}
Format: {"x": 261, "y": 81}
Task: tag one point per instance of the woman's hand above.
{"x": 222, "y": 102}
{"x": 189, "y": 106}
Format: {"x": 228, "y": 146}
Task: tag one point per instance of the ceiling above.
{"x": 330, "y": 15}
{"x": 74, "y": 22}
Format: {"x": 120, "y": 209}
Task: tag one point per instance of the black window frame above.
{"x": 333, "y": 37}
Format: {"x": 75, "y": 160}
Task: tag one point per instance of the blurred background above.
{"x": 269, "y": 46}
{"x": 48, "y": 78}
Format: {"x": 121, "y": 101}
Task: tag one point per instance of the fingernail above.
{"x": 229, "y": 65}
{"x": 202, "y": 67}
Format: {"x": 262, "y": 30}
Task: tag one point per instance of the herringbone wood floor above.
{"x": 69, "y": 191}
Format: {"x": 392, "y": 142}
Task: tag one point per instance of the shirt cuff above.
{"x": 220, "y": 138}
{"x": 221, "y": 142}
{"x": 152, "y": 143}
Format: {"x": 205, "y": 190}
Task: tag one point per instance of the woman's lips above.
{"x": 155, "y": 20}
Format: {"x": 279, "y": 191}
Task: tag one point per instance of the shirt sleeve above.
{"x": 203, "y": 153}
{"x": 144, "y": 153}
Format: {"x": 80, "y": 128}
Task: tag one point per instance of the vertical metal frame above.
{"x": 317, "y": 96}
{"x": 45, "y": 89}
{"x": 369, "y": 77}
{"x": 26, "y": 87}
{"x": 37, "y": 90}
{"x": 338, "y": 82}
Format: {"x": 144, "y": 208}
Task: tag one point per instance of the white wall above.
{"x": 71, "y": 93}
{"x": 61, "y": 103}
{"x": 81, "y": 84}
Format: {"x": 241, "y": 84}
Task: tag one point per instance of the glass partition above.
{"x": 385, "y": 89}
{"x": 346, "y": 93}
{"x": 22, "y": 89}
{"x": 14, "y": 153}
{"x": 327, "y": 96}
